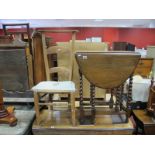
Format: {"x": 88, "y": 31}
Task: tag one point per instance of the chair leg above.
{"x": 36, "y": 104}
{"x": 73, "y": 114}
{"x": 50, "y": 107}
{"x": 69, "y": 99}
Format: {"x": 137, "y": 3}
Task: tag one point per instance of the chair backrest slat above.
{"x": 63, "y": 71}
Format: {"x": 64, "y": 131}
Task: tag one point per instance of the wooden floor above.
{"x": 59, "y": 123}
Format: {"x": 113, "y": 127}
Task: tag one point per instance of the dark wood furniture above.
{"x": 13, "y": 68}
{"x": 7, "y": 32}
{"x": 123, "y": 46}
{"x": 145, "y": 124}
{"x": 144, "y": 67}
{"x": 16, "y": 41}
{"x": 107, "y": 70}
{"x": 6, "y": 115}
{"x": 16, "y": 70}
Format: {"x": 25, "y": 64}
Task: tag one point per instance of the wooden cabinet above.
{"x": 144, "y": 67}
{"x": 123, "y": 46}
{"x": 144, "y": 123}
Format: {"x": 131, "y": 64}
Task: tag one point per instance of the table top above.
{"x": 107, "y": 69}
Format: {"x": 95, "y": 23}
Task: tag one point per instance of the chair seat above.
{"x": 54, "y": 86}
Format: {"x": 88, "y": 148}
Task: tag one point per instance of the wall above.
{"x": 111, "y": 35}
{"x": 107, "y": 34}
{"x": 1, "y": 31}
{"x": 81, "y": 35}
{"x": 141, "y": 37}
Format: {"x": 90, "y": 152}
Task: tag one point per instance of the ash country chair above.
{"x": 55, "y": 87}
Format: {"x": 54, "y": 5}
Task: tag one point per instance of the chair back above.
{"x": 64, "y": 72}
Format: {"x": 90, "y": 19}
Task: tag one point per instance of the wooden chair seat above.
{"x": 54, "y": 87}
